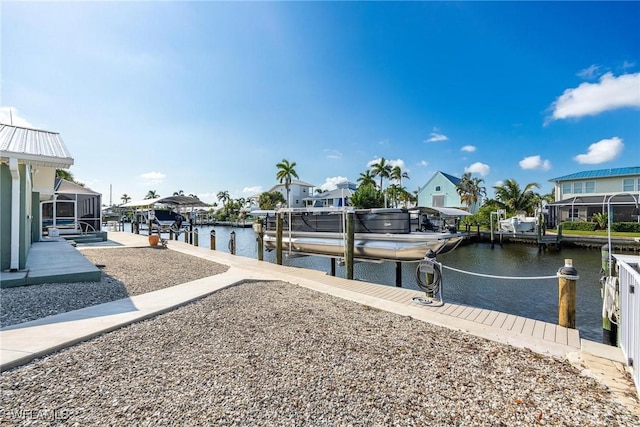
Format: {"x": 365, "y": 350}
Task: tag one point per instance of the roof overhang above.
{"x": 442, "y": 211}
{"x": 37, "y": 160}
{"x": 179, "y": 201}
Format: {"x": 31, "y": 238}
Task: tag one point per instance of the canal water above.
{"x": 535, "y": 299}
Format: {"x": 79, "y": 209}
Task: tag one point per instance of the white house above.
{"x": 298, "y": 191}
{"x": 335, "y": 198}
{"x": 580, "y": 195}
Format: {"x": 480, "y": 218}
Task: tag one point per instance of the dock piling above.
{"x": 212, "y": 239}
{"x": 349, "y": 246}
{"x": 279, "y": 238}
{"x": 567, "y": 278}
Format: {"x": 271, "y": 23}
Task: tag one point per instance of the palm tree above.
{"x": 125, "y": 198}
{"x": 68, "y": 176}
{"x": 223, "y": 197}
{"x": 397, "y": 174}
{"x": 381, "y": 169}
{"x": 152, "y": 194}
{"x": 193, "y": 195}
{"x": 286, "y": 171}
{"x": 509, "y": 196}
{"x": 367, "y": 179}
{"x": 178, "y": 193}
{"x": 470, "y": 189}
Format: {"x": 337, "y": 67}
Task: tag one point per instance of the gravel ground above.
{"x": 275, "y": 354}
{"x": 125, "y": 272}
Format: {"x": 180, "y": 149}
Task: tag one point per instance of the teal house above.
{"x": 28, "y": 162}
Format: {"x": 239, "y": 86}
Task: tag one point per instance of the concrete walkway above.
{"x": 24, "y": 342}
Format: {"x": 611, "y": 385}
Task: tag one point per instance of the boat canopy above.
{"x": 180, "y": 201}
{"x": 451, "y": 212}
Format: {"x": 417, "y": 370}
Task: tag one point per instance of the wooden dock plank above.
{"x": 518, "y": 324}
{"x": 562, "y": 335}
{"x": 490, "y": 318}
{"x": 538, "y": 329}
{"x": 458, "y": 311}
{"x": 573, "y": 338}
{"x": 499, "y": 320}
{"x": 450, "y": 308}
{"x": 467, "y": 310}
{"x": 549, "y": 332}
{"x": 473, "y": 314}
{"x": 482, "y": 316}
{"x": 528, "y": 327}
{"x": 509, "y": 321}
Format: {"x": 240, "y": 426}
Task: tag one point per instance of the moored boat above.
{"x": 379, "y": 234}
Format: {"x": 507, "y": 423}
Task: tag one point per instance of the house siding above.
{"x": 5, "y": 217}
{"x": 440, "y": 188}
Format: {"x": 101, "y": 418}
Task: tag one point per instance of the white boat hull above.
{"x": 372, "y": 246}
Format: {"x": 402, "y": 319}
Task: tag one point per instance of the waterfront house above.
{"x": 582, "y": 194}
{"x": 298, "y": 191}
{"x": 28, "y": 162}
{"x": 335, "y": 198}
{"x": 441, "y": 192}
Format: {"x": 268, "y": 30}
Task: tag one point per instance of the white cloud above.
{"x": 333, "y": 154}
{"x": 468, "y": 148}
{"x": 535, "y": 162}
{"x": 152, "y": 178}
{"x": 479, "y": 168}
{"x": 601, "y": 151}
{"x": 590, "y": 72}
{"x": 256, "y": 189}
{"x": 423, "y": 163}
{"x": 436, "y": 137}
{"x": 208, "y": 197}
{"x": 331, "y": 183}
{"x": 9, "y": 115}
{"x": 590, "y": 99}
{"x": 627, "y": 64}
{"x": 392, "y": 162}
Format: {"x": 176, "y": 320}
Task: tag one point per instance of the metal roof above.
{"x": 33, "y": 146}
{"x": 600, "y": 173}
{"x": 180, "y": 201}
{"x": 453, "y": 179}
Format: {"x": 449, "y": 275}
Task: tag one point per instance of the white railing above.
{"x": 629, "y": 275}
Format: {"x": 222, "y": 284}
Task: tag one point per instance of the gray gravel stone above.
{"x": 126, "y": 272}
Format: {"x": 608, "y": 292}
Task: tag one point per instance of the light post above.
{"x": 609, "y": 215}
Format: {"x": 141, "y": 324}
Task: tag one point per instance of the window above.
{"x": 566, "y": 188}
{"x": 573, "y": 213}
{"x": 628, "y": 184}
{"x": 437, "y": 201}
{"x": 590, "y": 187}
{"x": 438, "y": 188}
{"x": 577, "y": 188}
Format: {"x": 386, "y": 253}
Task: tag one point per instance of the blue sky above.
{"x": 209, "y": 96}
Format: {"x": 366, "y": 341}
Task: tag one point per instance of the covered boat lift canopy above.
{"x": 178, "y": 201}
{"x": 446, "y": 212}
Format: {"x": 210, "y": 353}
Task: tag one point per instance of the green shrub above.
{"x": 626, "y": 227}
{"x": 580, "y": 225}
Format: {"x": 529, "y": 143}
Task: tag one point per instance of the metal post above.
{"x": 431, "y": 256}
{"x": 349, "y": 246}
{"x": 609, "y": 329}
{"x": 212, "y": 243}
{"x": 191, "y": 230}
{"x": 398, "y": 274}
{"x": 232, "y": 243}
{"x": 258, "y": 227}
{"x": 567, "y": 277}
{"x": 333, "y": 267}
{"x": 278, "y": 238}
